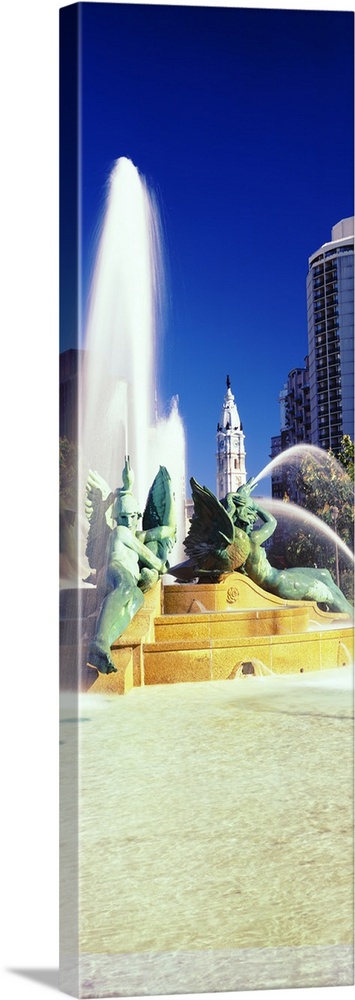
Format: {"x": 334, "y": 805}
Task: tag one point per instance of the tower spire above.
{"x": 230, "y": 457}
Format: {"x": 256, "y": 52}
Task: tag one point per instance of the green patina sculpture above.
{"x": 222, "y": 538}
{"x": 135, "y": 559}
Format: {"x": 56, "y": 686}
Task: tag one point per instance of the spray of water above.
{"x": 292, "y": 457}
{"x": 167, "y": 447}
{"x": 299, "y": 515}
{"x": 118, "y": 379}
{"x": 118, "y": 389}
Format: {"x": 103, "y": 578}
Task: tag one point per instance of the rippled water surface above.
{"x": 217, "y": 816}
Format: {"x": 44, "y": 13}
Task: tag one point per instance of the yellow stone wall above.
{"x": 189, "y": 660}
{"x": 234, "y": 592}
{"x": 205, "y": 632}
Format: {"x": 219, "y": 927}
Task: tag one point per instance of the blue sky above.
{"x": 242, "y": 122}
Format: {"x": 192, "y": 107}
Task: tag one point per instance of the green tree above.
{"x": 327, "y": 490}
{"x": 67, "y": 508}
{"x": 346, "y": 455}
{"x": 68, "y": 462}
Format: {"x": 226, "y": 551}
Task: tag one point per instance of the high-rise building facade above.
{"x": 330, "y": 318}
{"x": 278, "y": 478}
{"x": 317, "y": 402}
{"x": 295, "y": 426}
{"x": 297, "y": 406}
{"x": 230, "y": 447}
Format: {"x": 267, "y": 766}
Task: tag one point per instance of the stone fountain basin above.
{"x": 204, "y": 632}
{"x": 219, "y": 658}
{"x": 241, "y": 630}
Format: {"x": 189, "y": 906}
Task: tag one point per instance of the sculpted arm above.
{"x": 157, "y": 534}
{"x": 125, "y": 537}
{"x": 261, "y": 534}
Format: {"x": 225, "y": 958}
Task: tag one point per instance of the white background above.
{"x": 29, "y": 536}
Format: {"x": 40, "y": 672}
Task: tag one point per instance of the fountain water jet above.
{"x": 326, "y": 462}
{"x": 167, "y": 447}
{"x": 118, "y": 397}
{"x": 294, "y": 455}
{"x": 295, "y": 513}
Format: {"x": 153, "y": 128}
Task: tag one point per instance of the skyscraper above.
{"x": 330, "y": 318}
{"x": 294, "y": 427}
{"x": 230, "y": 447}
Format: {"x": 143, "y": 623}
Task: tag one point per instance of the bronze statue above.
{"x": 214, "y": 544}
{"x": 135, "y": 559}
{"x": 222, "y": 537}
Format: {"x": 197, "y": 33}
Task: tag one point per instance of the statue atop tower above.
{"x": 230, "y": 457}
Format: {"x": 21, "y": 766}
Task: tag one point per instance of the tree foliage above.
{"x": 325, "y": 488}
{"x": 68, "y": 473}
{"x": 346, "y": 456}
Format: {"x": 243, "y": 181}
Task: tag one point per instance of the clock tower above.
{"x": 231, "y": 471}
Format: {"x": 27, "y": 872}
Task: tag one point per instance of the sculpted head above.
{"x": 126, "y": 510}
{"x": 241, "y": 509}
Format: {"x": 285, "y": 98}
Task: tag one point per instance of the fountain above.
{"x": 230, "y": 613}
